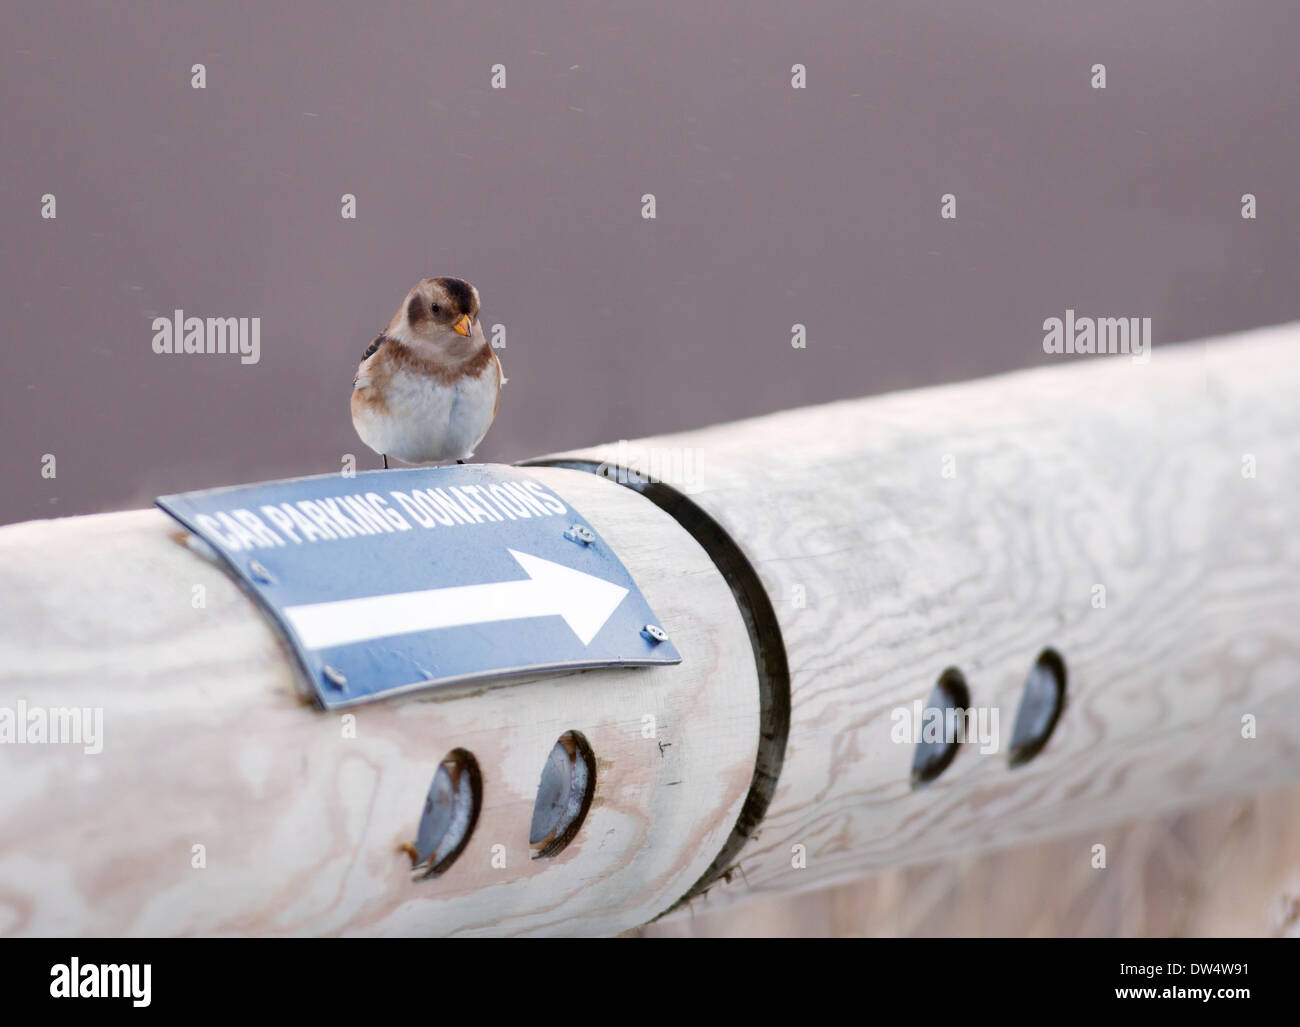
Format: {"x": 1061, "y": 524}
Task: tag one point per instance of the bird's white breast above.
{"x": 425, "y": 421}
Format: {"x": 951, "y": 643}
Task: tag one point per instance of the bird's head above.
{"x": 440, "y": 314}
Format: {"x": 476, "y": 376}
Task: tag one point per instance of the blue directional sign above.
{"x": 389, "y": 581}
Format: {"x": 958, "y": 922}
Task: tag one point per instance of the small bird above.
{"x": 428, "y": 386}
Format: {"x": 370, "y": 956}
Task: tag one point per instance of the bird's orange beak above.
{"x": 462, "y": 326}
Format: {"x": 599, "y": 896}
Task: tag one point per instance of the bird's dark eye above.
{"x": 436, "y": 309}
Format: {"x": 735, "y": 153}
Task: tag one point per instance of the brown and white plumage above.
{"x": 427, "y": 388}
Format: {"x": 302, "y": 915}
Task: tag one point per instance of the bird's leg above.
{"x": 385, "y": 461}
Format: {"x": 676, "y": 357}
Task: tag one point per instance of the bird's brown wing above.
{"x": 496, "y": 403}
{"x": 360, "y": 381}
{"x": 373, "y": 348}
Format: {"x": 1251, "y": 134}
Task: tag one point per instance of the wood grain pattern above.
{"x": 1092, "y": 472}
{"x": 207, "y": 742}
{"x": 1227, "y": 870}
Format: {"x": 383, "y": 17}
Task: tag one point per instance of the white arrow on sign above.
{"x": 550, "y": 590}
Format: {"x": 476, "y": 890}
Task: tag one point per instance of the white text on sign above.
{"x": 322, "y": 520}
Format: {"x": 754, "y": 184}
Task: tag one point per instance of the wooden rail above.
{"x": 819, "y": 569}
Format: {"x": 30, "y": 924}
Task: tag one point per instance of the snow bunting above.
{"x": 428, "y": 386}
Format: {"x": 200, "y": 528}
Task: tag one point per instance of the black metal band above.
{"x": 764, "y": 635}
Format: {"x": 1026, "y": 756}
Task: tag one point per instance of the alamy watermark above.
{"x": 192, "y": 335}
{"x": 678, "y": 466}
{"x": 931, "y": 724}
{"x": 56, "y": 725}
{"x": 75, "y": 979}
{"x": 1100, "y": 335}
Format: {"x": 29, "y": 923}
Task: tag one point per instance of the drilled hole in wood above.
{"x": 564, "y": 795}
{"x": 1041, "y": 703}
{"x": 951, "y": 698}
{"x": 450, "y": 812}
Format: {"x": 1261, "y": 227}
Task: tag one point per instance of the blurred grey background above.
{"x": 775, "y": 206}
